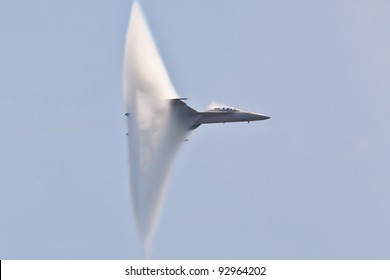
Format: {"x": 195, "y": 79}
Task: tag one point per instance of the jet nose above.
{"x": 263, "y": 117}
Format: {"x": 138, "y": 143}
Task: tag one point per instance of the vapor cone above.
{"x": 154, "y": 132}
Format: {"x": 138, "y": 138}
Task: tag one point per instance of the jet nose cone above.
{"x": 263, "y": 117}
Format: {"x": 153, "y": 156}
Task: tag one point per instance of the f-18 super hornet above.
{"x": 158, "y": 122}
{"x": 195, "y": 118}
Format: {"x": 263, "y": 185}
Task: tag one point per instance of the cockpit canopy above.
{"x": 225, "y": 109}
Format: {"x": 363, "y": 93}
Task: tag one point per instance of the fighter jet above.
{"x": 195, "y": 118}
{"x": 158, "y": 122}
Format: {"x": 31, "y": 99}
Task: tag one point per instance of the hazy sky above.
{"x": 313, "y": 182}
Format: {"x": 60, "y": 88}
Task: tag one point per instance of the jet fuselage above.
{"x": 235, "y": 115}
{"x": 215, "y": 115}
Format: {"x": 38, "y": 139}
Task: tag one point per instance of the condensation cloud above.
{"x": 155, "y": 132}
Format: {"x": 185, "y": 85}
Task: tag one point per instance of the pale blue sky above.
{"x": 313, "y": 182}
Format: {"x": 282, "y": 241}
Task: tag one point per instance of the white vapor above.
{"x": 216, "y": 104}
{"x": 155, "y": 133}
